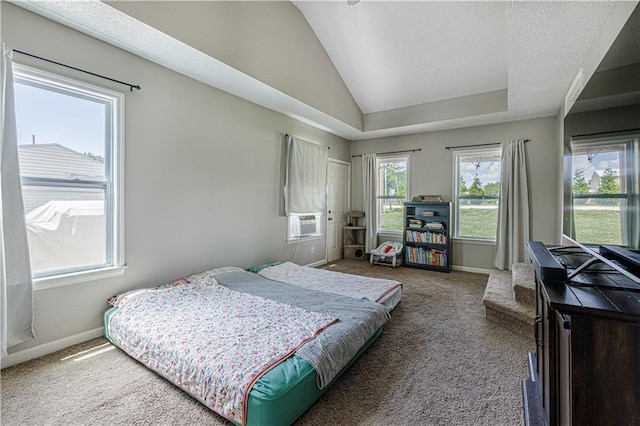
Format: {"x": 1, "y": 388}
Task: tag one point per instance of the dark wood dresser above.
{"x": 586, "y": 369}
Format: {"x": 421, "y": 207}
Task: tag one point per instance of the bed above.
{"x": 208, "y": 335}
{"x": 386, "y": 292}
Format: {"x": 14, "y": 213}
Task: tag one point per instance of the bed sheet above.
{"x": 386, "y": 292}
{"x": 272, "y": 397}
{"x": 285, "y": 392}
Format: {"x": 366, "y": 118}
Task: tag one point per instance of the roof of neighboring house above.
{"x": 55, "y": 161}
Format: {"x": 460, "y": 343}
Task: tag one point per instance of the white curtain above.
{"x": 16, "y": 286}
{"x": 306, "y": 190}
{"x": 369, "y": 180}
{"x": 513, "y": 213}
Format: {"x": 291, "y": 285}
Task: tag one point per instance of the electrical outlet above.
{"x": 313, "y": 249}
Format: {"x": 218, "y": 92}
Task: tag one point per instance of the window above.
{"x": 70, "y": 154}
{"x": 602, "y": 186}
{"x": 305, "y": 188}
{"x": 393, "y": 187}
{"x": 476, "y": 193}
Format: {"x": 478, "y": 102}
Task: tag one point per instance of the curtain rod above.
{"x": 391, "y": 152}
{"x": 613, "y": 132}
{"x": 480, "y": 144}
{"x": 287, "y": 135}
{"x": 131, "y": 86}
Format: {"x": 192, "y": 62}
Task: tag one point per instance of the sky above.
{"x": 488, "y": 172}
{"x": 53, "y": 117}
{"x": 600, "y": 163}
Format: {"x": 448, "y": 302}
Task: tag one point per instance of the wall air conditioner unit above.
{"x": 308, "y": 225}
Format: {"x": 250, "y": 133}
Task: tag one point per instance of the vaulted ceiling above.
{"x": 409, "y": 66}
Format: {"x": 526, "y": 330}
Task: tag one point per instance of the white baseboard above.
{"x": 471, "y": 269}
{"x": 51, "y": 347}
{"x": 318, "y": 263}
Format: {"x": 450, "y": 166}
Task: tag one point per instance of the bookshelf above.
{"x": 354, "y": 236}
{"x": 427, "y": 243}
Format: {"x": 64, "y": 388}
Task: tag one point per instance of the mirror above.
{"x": 601, "y": 146}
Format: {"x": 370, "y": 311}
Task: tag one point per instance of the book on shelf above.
{"x": 426, "y": 237}
{"x": 429, "y": 197}
{"x": 420, "y": 255}
{"x": 429, "y": 213}
{"x": 434, "y": 225}
{"x": 415, "y": 223}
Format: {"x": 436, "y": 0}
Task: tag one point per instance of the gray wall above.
{"x": 602, "y": 121}
{"x": 431, "y": 172}
{"x": 270, "y": 41}
{"x": 202, "y": 174}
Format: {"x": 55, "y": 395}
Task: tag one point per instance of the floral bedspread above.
{"x": 211, "y": 341}
{"x": 373, "y": 289}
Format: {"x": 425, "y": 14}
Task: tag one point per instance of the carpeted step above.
{"x": 502, "y": 307}
{"x": 524, "y": 284}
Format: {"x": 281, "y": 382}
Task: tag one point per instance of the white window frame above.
{"x": 630, "y": 184}
{"x": 113, "y": 184}
{"x": 388, "y": 158}
{"x": 457, "y": 153}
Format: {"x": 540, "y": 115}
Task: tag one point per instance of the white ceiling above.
{"x": 397, "y": 54}
{"x": 400, "y": 60}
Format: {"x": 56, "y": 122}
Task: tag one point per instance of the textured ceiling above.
{"x": 616, "y": 81}
{"x": 398, "y": 54}
{"x": 410, "y": 66}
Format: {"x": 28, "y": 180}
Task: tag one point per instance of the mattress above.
{"x": 284, "y": 392}
{"x": 383, "y": 291}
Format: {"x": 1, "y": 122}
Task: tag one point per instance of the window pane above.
{"x": 392, "y": 192}
{"x": 60, "y": 135}
{"x": 477, "y": 194}
{"x": 478, "y": 219}
{"x": 66, "y": 231}
{"x": 391, "y": 214}
{"x": 599, "y": 223}
{"x": 66, "y": 145}
{"x": 393, "y": 178}
{"x": 598, "y": 169}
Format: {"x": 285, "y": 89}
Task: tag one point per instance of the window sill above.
{"x": 304, "y": 239}
{"x": 77, "y": 277}
{"x": 476, "y": 241}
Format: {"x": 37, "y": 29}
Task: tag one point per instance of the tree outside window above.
{"x": 601, "y": 191}
{"x": 477, "y": 193}
{"x": 392, "y": 192}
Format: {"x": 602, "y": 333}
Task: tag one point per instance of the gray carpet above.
{"x": 438, "y": 362}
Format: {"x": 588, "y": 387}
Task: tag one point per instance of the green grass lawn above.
{"x": 478, "y": 223}
{"x": 392, "y": 219}
{"x": 592, "y": 226}
{"x": 598, "y": 226}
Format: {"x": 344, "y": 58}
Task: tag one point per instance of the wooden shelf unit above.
{"x": 426, "y": 239}
{"x": 355, "y": 236}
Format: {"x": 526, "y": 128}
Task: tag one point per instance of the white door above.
{"x": 338, "y": 186}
